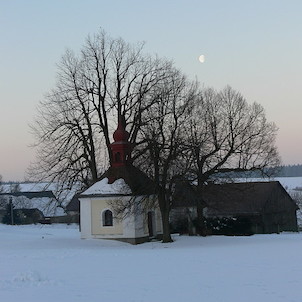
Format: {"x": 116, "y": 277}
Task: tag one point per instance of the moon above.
{"x": 201, "y": 58}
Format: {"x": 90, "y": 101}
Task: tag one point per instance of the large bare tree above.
{"x": 226, "y": 134}
{"x": 73, "y": 128}
{"x": 164, "y": 158}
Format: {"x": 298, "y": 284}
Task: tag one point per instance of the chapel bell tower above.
{"x": 121, "y": 148}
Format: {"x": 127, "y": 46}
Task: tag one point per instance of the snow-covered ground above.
{"x": 51, "y": 263}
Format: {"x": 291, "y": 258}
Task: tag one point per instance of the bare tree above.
{"x": 164, "y": 135}
{"x": 74, "y": 124}
{"x": 226, "y": 134}
{"x": 118, "y": 79}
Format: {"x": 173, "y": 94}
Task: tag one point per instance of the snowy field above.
{"x": 52, "y": 263}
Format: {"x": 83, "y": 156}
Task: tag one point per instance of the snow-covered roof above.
{"x": 35, "y": 195}
{"x": 102, "y": 187}
{"x": 48, "y": 206}
{"x": 42, "y": 187}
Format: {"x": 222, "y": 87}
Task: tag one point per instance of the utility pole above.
{"x": 11, "y": 210}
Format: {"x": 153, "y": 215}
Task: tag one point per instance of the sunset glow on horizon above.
{"x": 255, "y": 47}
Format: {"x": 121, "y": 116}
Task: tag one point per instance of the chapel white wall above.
{"x": 132, "y": 226}
{"x": 85, "y": 220}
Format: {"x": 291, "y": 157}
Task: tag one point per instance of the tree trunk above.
{"x": 201, "y": 227}
{"x": 166, "y": 227}
{"x": 164, "y": 209}
{"x": 200, "y": 205}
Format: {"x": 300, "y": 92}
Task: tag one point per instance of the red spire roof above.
{"x": 121, "y": 148}
{"x": 120, "y": 134}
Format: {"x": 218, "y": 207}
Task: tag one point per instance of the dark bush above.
{"x": 229, "y": 226}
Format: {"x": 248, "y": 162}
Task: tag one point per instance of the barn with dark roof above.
{"x": 265, "y": 207}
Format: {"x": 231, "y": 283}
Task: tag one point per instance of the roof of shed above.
{"x": 234, "y": 198}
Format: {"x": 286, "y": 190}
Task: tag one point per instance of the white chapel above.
{"x": 122, "y": 204}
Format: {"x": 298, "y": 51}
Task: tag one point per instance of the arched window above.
{"x": 107, "y": 218}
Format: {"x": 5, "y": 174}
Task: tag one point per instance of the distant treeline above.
{"x": 290, "y": 171}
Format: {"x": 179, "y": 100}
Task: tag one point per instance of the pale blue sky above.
{"x": 255, "y": 46}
